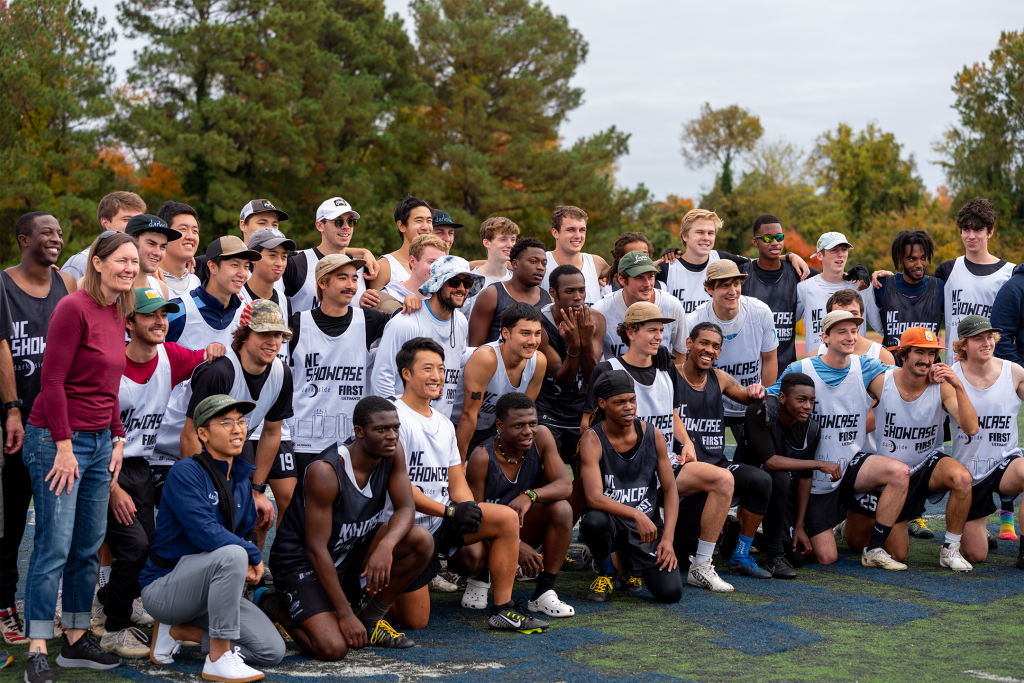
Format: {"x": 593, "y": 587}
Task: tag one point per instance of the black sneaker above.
{"x": 511, "y": 618}
{"x": 38, "y": 670}
{"x": 780, "y": 567}
{"x": 383, "y": 635}
{"x": 572, "y": 565}
{"x": 630, "y": 583}
{"x": 600, "y": 589}
{"x": 86, "y": 654}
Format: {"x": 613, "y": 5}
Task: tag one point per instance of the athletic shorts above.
{"x": 159, "y": 475}
{"x": 917, "y": 494}
{"x": 566, "y": 439}
{"x": 982, "y": 503}
{"x": 447, "y": 541}
{"x": 824, "y": 511}
{"x": 305, "y": 597}
{"x": 290, "y": 464}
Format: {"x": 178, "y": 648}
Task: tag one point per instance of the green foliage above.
{"x": 720, "y": 135}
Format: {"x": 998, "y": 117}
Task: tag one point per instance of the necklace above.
{"x": 702, "y": 384}
{"x": 501, "y": 452}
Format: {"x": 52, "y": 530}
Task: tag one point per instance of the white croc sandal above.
{"x": 549, "y": 604}
{"x": 475, "y": 596}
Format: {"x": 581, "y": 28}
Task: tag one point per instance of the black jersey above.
{"x": 355, "y": 514}
{"x": 633, "y": 481}
{"x": 703, "y": 415}
{"x": 899, "y": 312}
{"x": 503, "y": 301}
{"x": 559, "y": 406}
{"x": 780, "y": 295}
{"x": 498, "y": 489}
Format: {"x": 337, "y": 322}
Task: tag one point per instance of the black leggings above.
{"x": 752, "y": 486}
{"x": 773, "y": 526}
{"x": 602, "y": 535}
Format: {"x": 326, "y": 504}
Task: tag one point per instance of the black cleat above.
{"x": 383, "y": 635}
{"x": 511, "y": 618}
{"x": 780, "y": 567}
{"x": 600, "y": 589}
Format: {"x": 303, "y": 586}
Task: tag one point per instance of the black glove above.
{"x": 858, "y": 272}
{"x": 676, "y": 251}
{"x": 467, "y": 516}
{"x": 663, "y": 360}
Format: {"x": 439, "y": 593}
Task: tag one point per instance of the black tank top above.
{"x": 899, "y": 312}
{"x": 633, "y": 481}
{"x": 559, "y": 406}
{"x": 780, "y": 296}
{"x": 31, "y": 318}
{"x": 505, "y": 300}
{"x": 498, "y": 488}
{"x": 704, "y": 418}
{"x": 354, "y": 515}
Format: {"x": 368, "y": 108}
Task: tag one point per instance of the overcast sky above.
{"x": 803, "y": 67}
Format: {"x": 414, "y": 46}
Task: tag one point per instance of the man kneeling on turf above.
{"x": 521, "y": 468}
{"x": 332, "y": 538}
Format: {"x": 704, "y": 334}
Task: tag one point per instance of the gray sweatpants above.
{"x": 205, "y": 590}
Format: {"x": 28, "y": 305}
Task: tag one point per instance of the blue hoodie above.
{"x": 1008, "y": 315}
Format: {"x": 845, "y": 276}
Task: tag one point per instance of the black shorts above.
{"x": 447, "y": 541}
{"x": 917, "y": 493}
{"x": 982, "y": 503}
{"x": 824, "y": 511}
{"x": 159, "y": 475}
{"x": 566, "y": 439}
{"x": 305, "y": 597}
{"x": 290, "y": 464}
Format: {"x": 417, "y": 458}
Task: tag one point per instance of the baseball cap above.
{"x": 636, "y": 262}
{"x": 447, "y": 267}
{"x": 831, "y": 240}
{"x": 230, "y": 246}
{"x": 260, "y": 206}
{"x": 645, "y": 312}
{"x": 263, "y": 315}
{"x": 148, "y": 300}
{"x": 444, "y": 220}
{"x": 218, "y": 403}
{"x": 147, "y": 222}
{"x": 723, "y": 269}
{"x": 974, "y": 324}
{"x": 330, "y": 263}
{"x": 838, "y": 317}
{"x": 334, "y": 207}
{"x": 919, "y": 337}
{"x": 268, "y": 238}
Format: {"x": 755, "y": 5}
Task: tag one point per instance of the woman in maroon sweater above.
{"x": 73, "y": 445}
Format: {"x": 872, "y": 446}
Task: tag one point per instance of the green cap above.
{"x": 148, "y": 300}
{"x": 218, "y": 403}
{"x": 974, "y": 324}
{"x": 636, "y": 262}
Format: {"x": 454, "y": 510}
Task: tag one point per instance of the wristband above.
{"x": 571, "y": 355}
{"x": 531, "y": 494}
{"x": 16, "y": 403}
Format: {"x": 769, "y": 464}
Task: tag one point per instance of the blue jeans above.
{"x": 69, "y": 529}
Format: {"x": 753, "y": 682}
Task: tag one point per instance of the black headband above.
{"x": 613, "y": 383}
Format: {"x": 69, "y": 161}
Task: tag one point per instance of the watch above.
{"x": 16, "y": 403}
{"x": 259, "y": 488}
{"x": 117, "y": 439}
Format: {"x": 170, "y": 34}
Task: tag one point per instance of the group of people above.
{"x": 419, "y": 409}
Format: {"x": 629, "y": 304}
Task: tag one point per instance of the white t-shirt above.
{"x": 812, "y": 295}
{"x": 76, "y": 264}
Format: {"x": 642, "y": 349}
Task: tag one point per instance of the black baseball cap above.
{"x": 444, "y": 219}
{"x": 147, "y": 222}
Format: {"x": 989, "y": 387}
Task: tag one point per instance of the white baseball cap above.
{"x": 334, "y": 208}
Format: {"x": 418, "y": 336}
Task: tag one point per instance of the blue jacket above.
{"x": 1008, "y": 315}
{"x": 190, "y": 521}
{"x": 214, "y": 313}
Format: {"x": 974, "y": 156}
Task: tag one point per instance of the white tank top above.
{"x": 688, "y": 286}
{"x": 613, "y": 308}
{"x": 305, "y": 299}
{"x": 967, "y": 294}
{"x": 143, "y": 406}
{"x": 155, "y": 284}
{"x": 997, "y": 409}
{"x": 198, "y": 334}
{"x": 328, "y": 379}
{"x": 589, "y": 271}
{"x": 655, "y": 404}
{"x": 268, "y": 394}
{"x": 191, "y": 280}
{"x": 842, "y": 413}
{"x": 872, "y": 352}
{"x": 399, "y": 271}
{"x": 908, "y": 432}
{"x": 499, "y": 385}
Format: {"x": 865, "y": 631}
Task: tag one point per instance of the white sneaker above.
{"x": 439, "y": 584}
{"x": 129, "y": 642}
{"x": 230, "y": 668}
{"x": 97, "y": 618}
{"x": 549, "y": 604}
{"x": 877, "y": 557}
{"x": 705, "y": 576}
{"x": 140, "y": 617}
{"x": 475, "y": 596}
{"x": 951, "y": 557}
{"x": 162, "y": 647}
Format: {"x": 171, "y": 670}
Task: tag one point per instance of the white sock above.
{"x": 704, "y": 551}
{"x": 952, "y": 538}
{"x": 104, "y": 576}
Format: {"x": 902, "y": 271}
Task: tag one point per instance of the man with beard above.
{"x": 569, "y": 228}
{"x": 528, "y": 264}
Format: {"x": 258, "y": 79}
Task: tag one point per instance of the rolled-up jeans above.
{"x": 69, "y": 529}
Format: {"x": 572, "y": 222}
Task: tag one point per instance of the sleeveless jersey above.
{"x": 813, "y": 295}
{"x": 31, "y": 317}
{"x": 997, "y": 409}
{"x": 328, "y": 379}
{"x": 268, "y": 394}
{"x": 688, "y": 286}
{"x": 633, "y": 482}
{"x": 305, "y": 299}
{"x": 191, "y": 282}
{"x": 842, "y": 413}
{"x": 399, "y": 271}
{"x": 559, "y": 406}
{"x": 909, "y": 432}
{"x": 467, "y": 308}
{"x": 613, "y": 308}
{"x": 900, "y": 312}
{"x": 655, "y": 404}
{"x": 504, "y": 300}
{"x": 286, "y": 308}
{"x": 356, "y": 513}
{"x": 589, "y": 271}
{"x": 498, "y": 489}
{"x": 780, "y": 296}
{"x": 499, "y": 385}
{"x": 968, "y": 294}
{"x": 143, "y": 406}
{"x": 703, "y": 415}
{"x": 872, "y": 352}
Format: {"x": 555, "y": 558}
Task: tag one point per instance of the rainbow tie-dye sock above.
{"x": 1007, "y": 531}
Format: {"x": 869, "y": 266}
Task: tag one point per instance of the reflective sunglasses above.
{"x": 768, "y": 239}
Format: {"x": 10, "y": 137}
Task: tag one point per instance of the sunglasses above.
{"x": 339, "y": 222}
{"x": 768, "y": 239}
{"x": 457, "y": 282}
{"x": 105, "y": 234}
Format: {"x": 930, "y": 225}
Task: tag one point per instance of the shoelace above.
{"x": 37, "y": 661}
{"x": 13, "y": 622}
{"x": 387, "y": 629}
{"x": 237, "y": 660}
{"x": 89, "y": 644}
{"x": 634, "y": 581}
{"x": 122, "y": 636}
{"x": 602, "y": 584}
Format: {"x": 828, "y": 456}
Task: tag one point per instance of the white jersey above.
{"x": 143, "y": 406}
{"x": 968, "y": 294}
{"x": 613, "y": 308}
{"x": 873, "y": 352}
{"x": 451, "y": 334}
{"x": 908, "y": 431}
{"x": 655, "y": 404}
{"x": 76, "y": 264}
{"x": 430, "y": 449}
{"x": 997, "y": 409}
{"x": 281, "y": 354}
{"x": 467, "y": 308}
{"x": 499, "y": 385}
{"x": 328, "y": 379}
{"x": 842, "y": 414}
{"x": 399, "y": 291}
{"x": 813, "y": 293}
{"x": 688, "y": 286}
{"x": 747, "y": 336}
{"x": 268, "y": 394}
{"x": 399, "y": 271}
{"x": 589, "y": 271}
{"x": 305, "y": 299}
{"x": 153, "y": 283}
{"x": 189, "y": 281}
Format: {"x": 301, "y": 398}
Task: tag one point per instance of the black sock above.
{"x": 545, "y": 583}
{"x": 495, "y": 608}
{"x": 1007, "y": 506}
{"x": 879, "y": 534}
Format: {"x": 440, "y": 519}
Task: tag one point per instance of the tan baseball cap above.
{"x": 645, "y": 312}
{"x": 838, "y": 317}
{"x": 723, "y": 269}
{"x": 330, "y": 263}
